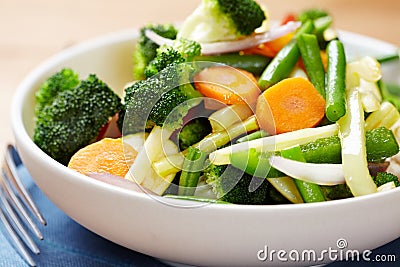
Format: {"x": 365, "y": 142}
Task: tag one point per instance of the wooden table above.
{"x": 32, "y": 31}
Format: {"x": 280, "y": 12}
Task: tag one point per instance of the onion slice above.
{"x": 236, "y": 45}
{"x": 322, "y": 174}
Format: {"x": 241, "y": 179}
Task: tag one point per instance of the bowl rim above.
{"x": 26, "y": 86}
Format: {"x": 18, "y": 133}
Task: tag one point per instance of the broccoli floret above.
{"x": 232, "y": 185}
{"x": 146, "y": 49}
{"x": 193, "y": 132}
{"x": 150, "y": 102}
{"x": 63, "y": 80}
{"x": 163, "y": 59}
{"x": 182, "y": 50}
{"x": 339, "y": 191}
{"x": 382, "y": 178}
{"x": 74, "y": 118}
{"x": 222, "y": 20}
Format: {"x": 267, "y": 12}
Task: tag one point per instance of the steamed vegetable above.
{"x": 74, "y": 117}
{"x": 311, "y": 55}
{"x": 146, "y": 49}
{"x": 290, "y": 105}
{"x": 222, "y": 20}
{"x": 227, "y": 85}
{"x": 336, "y": 81}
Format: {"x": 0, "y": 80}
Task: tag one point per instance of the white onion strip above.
{"x": 322, "y": 174}
{"x": 237, "y": 45}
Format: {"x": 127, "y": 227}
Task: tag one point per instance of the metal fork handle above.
{"x": 13, "y": 176}
{"x": 16, "y": 240}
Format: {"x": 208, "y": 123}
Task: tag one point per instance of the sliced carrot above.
{"x": 271, "y": 48}
{"x": 108, "y": 155}
{"x": 324, "y": 58}
{"x": 290, "y": 105}
{"x": 227, "y": 85}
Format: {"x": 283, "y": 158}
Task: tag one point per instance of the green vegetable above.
{"x": 252, "y": 63}
{"x": 182, "y": 50}
{"x": 386, "y": 116}
{"x": 309, "y": 192}
{"x": 284, "y": 62}
{"x": 232, "y": 185}
{"x": 193, "y": 132}
{"x": 336, "y": 81}
{"x": 310, "y": 53}
{"x": 339, "y": 191}
{"x": 254, "y": 163}
{"x": 150, "y": 102}
{"x": 311, "y": 14}
{"x": 352, "y": 138}
{"x": 74, "y": 118}
{"x": 390, "y": 93}
{"x": 389, "y": 58}
{"x": 384, "y": 177}
{"x": 146, "y": 49}
{"x": 191, "y": 170}
{"x": 61, "y": 81}
{"x": 221, "y": 20}
{"x": 380, "y": 145}
{"x": 252, "y": 136}
{"x": 207, "y": 144}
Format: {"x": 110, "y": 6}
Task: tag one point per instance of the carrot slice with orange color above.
{"x": 290, "y": 105}
{"x": 227, "y": 85}
{"x": 108, "y": 155}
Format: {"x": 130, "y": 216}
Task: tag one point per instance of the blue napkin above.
{"x": 68, "y": 244}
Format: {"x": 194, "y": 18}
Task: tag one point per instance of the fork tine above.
{"x": 19, "y": 207}
{"x": 25, "y": 236}
{"x": 16, "y": 240}
{"x": 11, "y": 152}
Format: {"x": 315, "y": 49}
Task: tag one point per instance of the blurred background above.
{"x": 32, "y": 31}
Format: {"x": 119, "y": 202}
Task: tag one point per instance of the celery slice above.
{"x": 274, "y": 143}
{"x": 352, "y": 137}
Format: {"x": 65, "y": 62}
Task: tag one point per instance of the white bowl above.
{"x": 211, "y": 235}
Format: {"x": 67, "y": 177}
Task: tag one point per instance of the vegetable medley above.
{"x": 231, "y": 108}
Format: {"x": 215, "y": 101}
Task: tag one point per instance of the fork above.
{"x": 15, "y": 202}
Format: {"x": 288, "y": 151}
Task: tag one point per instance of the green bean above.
{"x": 310, "y": 53}
{"x": 394, "y": 57}
{"x": 310, "y": 192}
{"x": 191, "y": 170}
{"x": 335, "y": 87}
{"x": 284, "y": 62}
{"x": 252, "y": 63}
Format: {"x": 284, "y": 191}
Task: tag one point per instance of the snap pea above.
{"x": 310, "y": 53}
{"x": 252, "y": 63}
{"x": 191, "y": 170}
{"x": 283, "y": 63}
{"x": 310, "y": 192}
{"x": 335, "y": 87}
